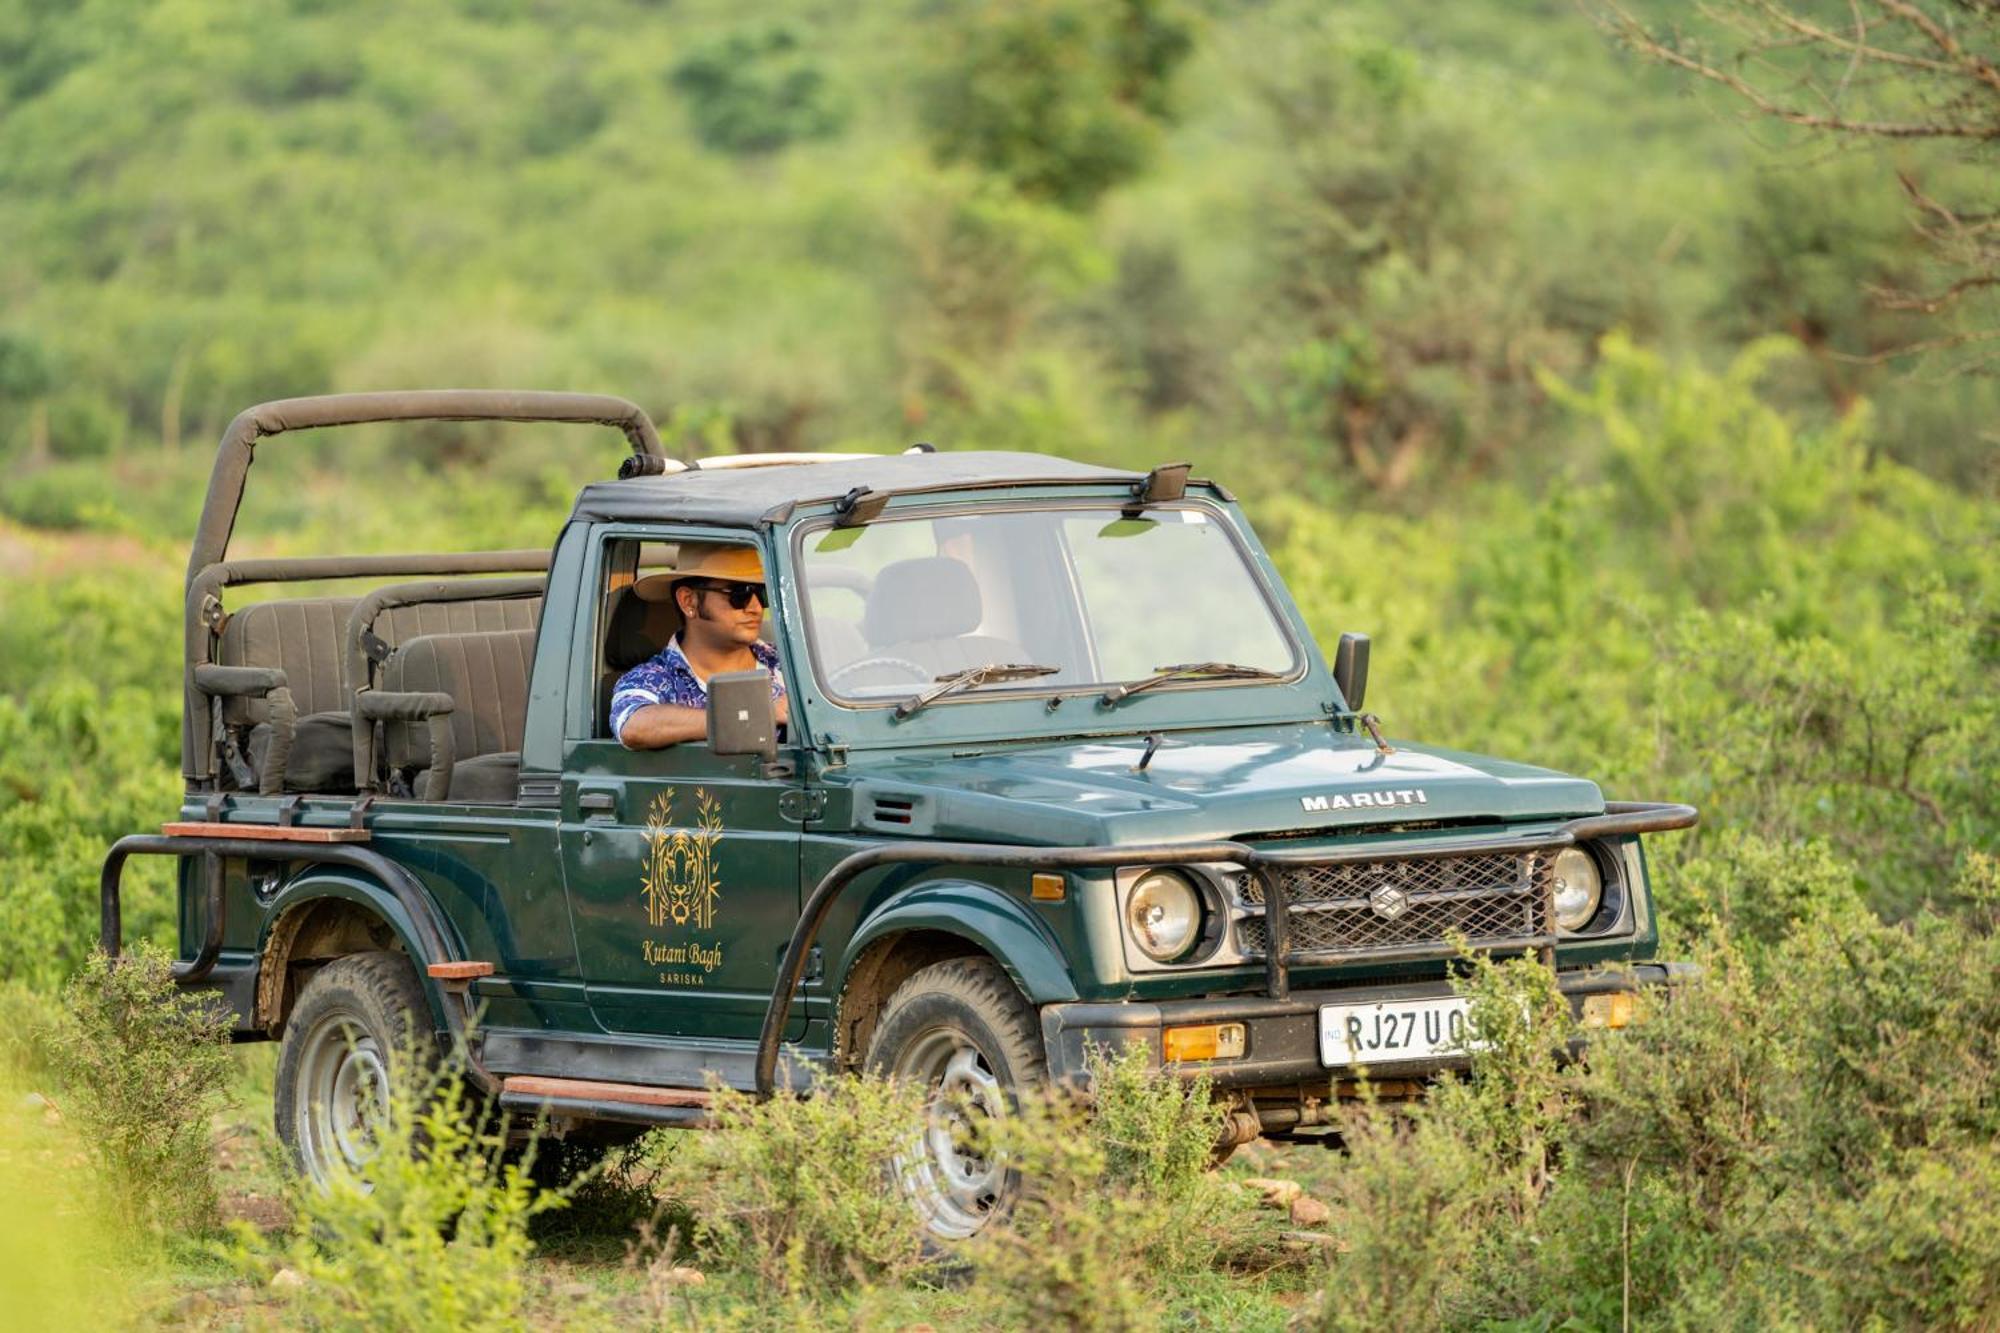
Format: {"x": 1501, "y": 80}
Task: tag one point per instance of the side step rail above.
{"x": 632, "y": 1103}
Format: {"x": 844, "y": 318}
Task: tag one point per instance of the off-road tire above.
{"x": 357, "y": 1020}
{"x": 961, "y": 1026}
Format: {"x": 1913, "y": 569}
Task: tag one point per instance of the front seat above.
{"x": 925, "y": 611}
{"x": 642, "y": 619}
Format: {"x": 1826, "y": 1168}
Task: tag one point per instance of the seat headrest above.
{"x": 936, "y": 597}
{"x": 638, "y": 627}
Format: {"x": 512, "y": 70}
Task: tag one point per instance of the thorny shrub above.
{"x": 1807, "y": 1136}
{"x": 143, "y": 1066}
{"x": 1118, "y": 1192}
{"x": 799, "y": 1194}
{"x": 797, "y": 1189}
{"x": 1410, "y": 1197}
{"x": 1423, "y": 1186}
{"x": 1158, "y": 1132}
{"x": 433, "y": 1232}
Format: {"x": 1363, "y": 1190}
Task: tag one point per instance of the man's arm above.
{"x": 658, "y": 725}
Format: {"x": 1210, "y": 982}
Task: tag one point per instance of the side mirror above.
{"x": 741, "y": 719}
{"x": 1350, "y": 669}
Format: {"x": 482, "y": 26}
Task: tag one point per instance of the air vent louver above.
{"x": 905, "y": 812}
{"x": 894, "y": 809}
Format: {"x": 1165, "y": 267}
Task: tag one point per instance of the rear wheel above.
{"x": 358, "y": 1019}
{"x": 962, "y": 1032}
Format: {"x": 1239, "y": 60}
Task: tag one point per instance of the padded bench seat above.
{"x": 312, "y": 641}
{"x": 303, "y": 637}
{"x": 486, "y": 677}
{"x": 487, "y": 779}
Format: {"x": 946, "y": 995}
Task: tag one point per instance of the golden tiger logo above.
{"x": 683, "y": 881}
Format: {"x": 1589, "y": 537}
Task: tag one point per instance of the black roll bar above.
{"x": 207, "y": 569}
{"x": 233, "y": 458}
{"x": 1619, "y": 818}
{"x": 434, "y": 935}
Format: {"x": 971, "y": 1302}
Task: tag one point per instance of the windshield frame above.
{"x": 1297, "y": 669}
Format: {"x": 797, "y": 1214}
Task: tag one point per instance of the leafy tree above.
{"x": 1812, "y": 244}
{"x": 1064, "y": 99}
{"x": 1413, "y": 325}
{"x": 1919, "y": 79}
{"x": 757, "y": 92}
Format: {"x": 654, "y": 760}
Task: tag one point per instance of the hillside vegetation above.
{"x": 1526, "y": 355}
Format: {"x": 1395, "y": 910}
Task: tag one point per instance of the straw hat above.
{"x": 702, "y": 560}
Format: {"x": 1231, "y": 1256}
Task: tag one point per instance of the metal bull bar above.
{"x": 1620, "y": 818}
{"x": 434, "y": 935}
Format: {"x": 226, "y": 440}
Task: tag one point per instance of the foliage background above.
{"x": 1527, "y": 356}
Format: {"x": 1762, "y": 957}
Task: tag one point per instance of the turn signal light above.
{"x": 1212, "y": 1041}
{"x": 1614, "y": 1010}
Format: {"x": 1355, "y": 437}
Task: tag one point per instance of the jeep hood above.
{"x": 1206, "y": 784}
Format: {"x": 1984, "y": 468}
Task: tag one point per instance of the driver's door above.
{"x": 683, "y": 878}
{"x": 682, "y": 867}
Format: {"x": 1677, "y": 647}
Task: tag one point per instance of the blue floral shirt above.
{"x": 667, "y": 678}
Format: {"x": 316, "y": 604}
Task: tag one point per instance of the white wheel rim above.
{"x": 343, "y": 1086}
{"x": 955, "y": 1189}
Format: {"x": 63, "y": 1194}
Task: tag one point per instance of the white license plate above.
{"x": 1391, "y": 1031}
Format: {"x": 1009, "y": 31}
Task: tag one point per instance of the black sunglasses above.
{"x": 739, "y": 594}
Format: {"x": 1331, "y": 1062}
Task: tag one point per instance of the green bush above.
{"x": 1798, "y": 1139}
{"x": 1920, "y": 1247}
{"x": 142, "y": 1067}
{"x": 433, "y": 1232}
{"x": 1412, "y": 1202}
{"x": 799, "y": 1191}
{"x": 1157, "y": 1130}
{"x": 80, "y": 766}
{"x": 1073, "y": 1254}
{"x": 1118, "y": 1193}
{"x": 1877, "y": 740}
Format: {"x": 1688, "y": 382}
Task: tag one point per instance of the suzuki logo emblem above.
{"x": 1389, "y": 902}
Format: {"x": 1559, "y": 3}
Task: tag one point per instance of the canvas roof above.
{"x": 747, "y": 496}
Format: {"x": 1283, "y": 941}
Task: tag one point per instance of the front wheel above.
{"x": 962, "y": 1032}
{"x": 357, "y": 1019}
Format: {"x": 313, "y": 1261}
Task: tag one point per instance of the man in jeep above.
{"x": 1071, "y": 772}
{"x": 719, "y": 591}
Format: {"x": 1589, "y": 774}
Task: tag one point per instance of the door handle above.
{"x": 597, "y": 803}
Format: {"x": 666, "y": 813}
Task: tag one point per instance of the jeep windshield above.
{"x": 900, "y": 604}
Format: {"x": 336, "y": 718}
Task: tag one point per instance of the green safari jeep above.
{"x": 1061, "y": 765}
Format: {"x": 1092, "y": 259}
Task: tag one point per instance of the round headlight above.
{"x": 1164, "y": 915}
{"x": 1579, "y": 888}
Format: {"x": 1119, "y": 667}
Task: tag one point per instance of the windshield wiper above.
{"x": 1187, "y": 671}
{"x": 956, "y": 681}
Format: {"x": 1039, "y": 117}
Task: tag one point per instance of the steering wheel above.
{"x": 917, "y": 671}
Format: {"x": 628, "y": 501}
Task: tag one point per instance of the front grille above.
{"x": 1490, "y": 899}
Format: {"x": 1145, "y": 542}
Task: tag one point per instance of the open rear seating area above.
{"x": 289, "y": 724}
